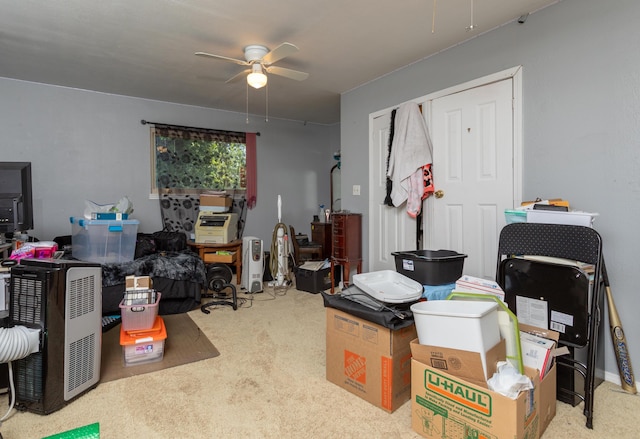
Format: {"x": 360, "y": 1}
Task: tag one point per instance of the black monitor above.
{"x": 16, "y": 206}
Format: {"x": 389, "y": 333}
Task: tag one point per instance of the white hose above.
{"x": 18, "y": 342}
{"x": 15, "y": 344}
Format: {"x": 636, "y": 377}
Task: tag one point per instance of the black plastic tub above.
{"x": 430, "y": 267}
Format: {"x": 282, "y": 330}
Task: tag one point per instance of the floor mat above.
{"x": 185, "y": 343}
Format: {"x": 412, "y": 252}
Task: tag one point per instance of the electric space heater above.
{"x": 252, "y": 264}
{"x": 63, "y": 299}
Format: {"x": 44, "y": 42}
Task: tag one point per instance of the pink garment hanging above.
{"x": 420, "y": 187}
{"x": 252, "y": 171}
{"x": 429, "y": 188}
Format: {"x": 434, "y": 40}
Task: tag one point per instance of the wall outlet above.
{"x": 356, "y": 189}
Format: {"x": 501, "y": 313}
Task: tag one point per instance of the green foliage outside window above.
{"x": 190, "y": 166}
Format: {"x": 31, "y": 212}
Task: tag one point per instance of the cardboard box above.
{"x": 467, "y": 365}
{"x": 548, "y": 399}
{"x": 369, "y": 360}
{"x": 138, "y": 282}
{"x": 445, "y": 405}
{"x": 215, "y": 200}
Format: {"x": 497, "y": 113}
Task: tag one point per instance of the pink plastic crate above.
{"x": 136, "y": 317}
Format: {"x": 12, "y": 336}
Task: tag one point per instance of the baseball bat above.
{"x": 620, "y": 347}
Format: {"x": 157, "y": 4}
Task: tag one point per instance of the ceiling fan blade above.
{"x": 283, "y": 50}
{"x": 287, "y": 73}
{"x": 238, "y": 76}
{"x": 223, "y": 58}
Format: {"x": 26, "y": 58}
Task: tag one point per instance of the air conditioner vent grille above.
{"x": 28, "y": 294}
{"x": 81, "y": 362}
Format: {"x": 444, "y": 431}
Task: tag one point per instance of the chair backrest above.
{"x": 578, "y": 243}
{"x": 294, "y": 244}
{"x": 313, "y": 249}
{"x": 565, "y": 288}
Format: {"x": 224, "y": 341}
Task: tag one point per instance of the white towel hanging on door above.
{"x": 411, "y": 150}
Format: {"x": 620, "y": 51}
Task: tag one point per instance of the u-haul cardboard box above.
{"x": 444, "y": 405}
{"x": 369, "y": 360}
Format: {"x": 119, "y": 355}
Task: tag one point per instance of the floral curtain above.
{"x": 204, "y": 134}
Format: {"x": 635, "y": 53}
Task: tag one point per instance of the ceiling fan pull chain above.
{"x": 433, "y": 17}
{"x": 471, "y": 26}
{"x": 266, "y": 111}
{"x": 247, "y": 87}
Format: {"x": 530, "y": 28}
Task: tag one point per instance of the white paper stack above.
{"x": 537, "y": 352}
{"x": 471, "y": 284}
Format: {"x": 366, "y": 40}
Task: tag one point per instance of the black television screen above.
{"x": 16, "y": 207}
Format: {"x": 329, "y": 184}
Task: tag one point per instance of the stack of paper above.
{"x": 537, "y": 352}
{"x": 471, "y": 284}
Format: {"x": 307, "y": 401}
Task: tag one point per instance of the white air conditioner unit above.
{"x": 62, "y": 299}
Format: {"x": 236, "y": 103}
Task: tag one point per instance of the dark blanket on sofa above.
{"x": 177, "y": 266}
{"x": 179, "y": 276}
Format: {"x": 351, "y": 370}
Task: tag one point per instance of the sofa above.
{"x": 178, "y": 276}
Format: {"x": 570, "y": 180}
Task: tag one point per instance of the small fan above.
{"x": 219, "y": 279}
{"x": 259, "y": 60}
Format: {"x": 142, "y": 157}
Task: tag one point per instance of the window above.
{"x": 190, "y": 160}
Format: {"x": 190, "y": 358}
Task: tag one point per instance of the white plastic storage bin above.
{"x": 573, "y": 218}
{"x": 458, "y": 324}
{"x": 103, "y": 241}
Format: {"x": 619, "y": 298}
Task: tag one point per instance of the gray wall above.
{"x": 581, "y": 90}
{"x": 92, "y": 146}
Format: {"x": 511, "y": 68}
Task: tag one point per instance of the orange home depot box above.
{"x": 443, "y": 405}
{"x": 369, "y": 360}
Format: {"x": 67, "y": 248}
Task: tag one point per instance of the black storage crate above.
{"x": 430, "y": 267}
{"x": 316, "y": 281}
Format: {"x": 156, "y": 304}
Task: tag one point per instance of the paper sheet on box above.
{"x": 532, "y": 312}
{"x": 315, "y": 265}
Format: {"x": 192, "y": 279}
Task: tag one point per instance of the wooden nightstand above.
{"x": 346, "y": 244}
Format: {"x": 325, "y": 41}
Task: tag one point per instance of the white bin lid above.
{"x": 389, "y": 286}
{"x": 454, "y": 308}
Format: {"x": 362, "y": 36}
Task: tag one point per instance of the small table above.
{"x": 234, "y": 246}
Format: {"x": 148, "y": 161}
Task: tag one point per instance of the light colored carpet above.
{"x": 269, "y": 382}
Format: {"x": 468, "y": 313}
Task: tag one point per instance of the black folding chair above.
{"x": 573, "y": 296}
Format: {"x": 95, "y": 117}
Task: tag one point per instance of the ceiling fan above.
{"x": 259, "y": 60}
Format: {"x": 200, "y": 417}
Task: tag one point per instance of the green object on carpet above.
{"x": 185, "y": 343}
{"x": 91, "y": 431}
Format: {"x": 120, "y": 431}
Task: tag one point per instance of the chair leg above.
{"x": 589, "y": 388}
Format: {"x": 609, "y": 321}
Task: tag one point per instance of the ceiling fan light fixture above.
{"x": 257, "y": 79}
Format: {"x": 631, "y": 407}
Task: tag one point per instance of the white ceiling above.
{"x": 145, "y": 48}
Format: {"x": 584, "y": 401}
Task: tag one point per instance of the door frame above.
{"x": 513, "y": 73}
